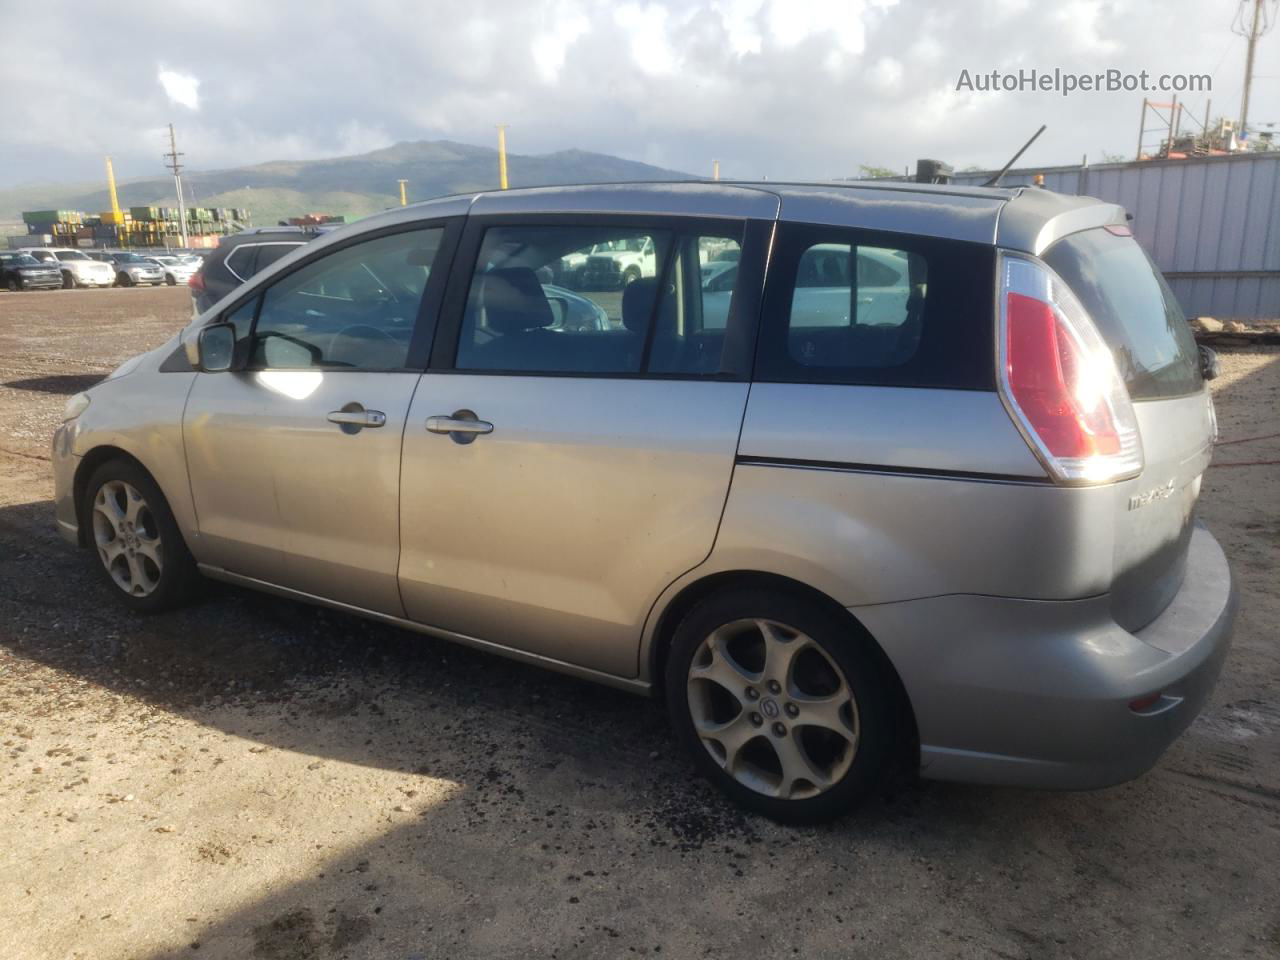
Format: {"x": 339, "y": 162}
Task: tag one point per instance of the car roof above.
{"x": 1020, "y": 218}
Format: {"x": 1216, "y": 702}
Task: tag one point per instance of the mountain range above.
{"x": 355, "y": 185}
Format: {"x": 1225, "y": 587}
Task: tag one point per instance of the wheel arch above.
{"x": 691, "y": 594}
{"x": 90, "y": 462}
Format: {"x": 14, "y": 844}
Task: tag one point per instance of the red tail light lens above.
{"x": 1060, "y": 381}
{"x": 196, "y": 281}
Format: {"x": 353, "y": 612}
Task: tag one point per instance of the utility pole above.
{"x": 175, "y": 165}
{"x": 1260, "y": 24}
{"x": 403, "y": 200}
{"x": 118, "y": 217}
{"x": 715, "y": 169}
{"x": 502, "y": 155}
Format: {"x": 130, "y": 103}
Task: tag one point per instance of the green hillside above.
{"x": 355, "y": 186}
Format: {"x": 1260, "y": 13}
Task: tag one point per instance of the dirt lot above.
{"x": 254, "y": 778}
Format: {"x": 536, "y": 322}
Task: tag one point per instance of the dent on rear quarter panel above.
{"x": 864, "y": 537}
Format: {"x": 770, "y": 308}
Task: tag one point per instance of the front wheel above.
{"x": 630, "y": 276}
{"x": 170, "y": 280}
{"x": 68, "y": 281}
{"x": 124, "y": 280}
{"x": 782, "y": 704}
{"x": 14, "y": 284}
{"x": 140, "y": 550}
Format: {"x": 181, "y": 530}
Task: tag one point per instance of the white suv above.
{"x": 78, "y": 268}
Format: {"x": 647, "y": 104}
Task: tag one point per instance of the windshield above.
{"x": 70, "y": 255}
{"x": 19, "y": 259}
{"x": 1136, "y": 312}
{"x": 130, "y": 258}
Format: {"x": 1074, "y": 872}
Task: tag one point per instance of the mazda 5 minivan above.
{"x": 919, "y": 479}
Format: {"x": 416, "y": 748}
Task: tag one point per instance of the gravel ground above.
{"x": 255, "y": 778}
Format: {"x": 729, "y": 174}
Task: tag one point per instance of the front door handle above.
{"x": 462, "y": 425}
{"x": 353, "y": 418}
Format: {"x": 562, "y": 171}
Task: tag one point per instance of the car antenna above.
{"x": 995, "y": 181}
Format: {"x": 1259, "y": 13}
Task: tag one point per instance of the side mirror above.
{"x": 1208, "y": 363}
{"x": 215, "y": 348}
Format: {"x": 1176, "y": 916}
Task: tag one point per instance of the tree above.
{"x": 874, "y": 173}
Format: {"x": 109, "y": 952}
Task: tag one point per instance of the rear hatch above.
{"x": 1140, "y": 320}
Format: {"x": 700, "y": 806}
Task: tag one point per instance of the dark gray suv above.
{"x": 238, "y": 257}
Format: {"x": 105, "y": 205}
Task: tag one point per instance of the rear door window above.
{"x": 240, "y": 261}
{"x": 600, "y": 299}
{"x": 269, "y": 253}
{"x": 1133, "y": 308}
{"x": 880, "y": 309}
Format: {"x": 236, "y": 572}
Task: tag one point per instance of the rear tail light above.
{"x": 1060, "y": 381}
{"x": 196, "y": 281}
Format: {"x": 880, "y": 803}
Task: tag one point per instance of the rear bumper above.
{"x": 1038, "y": 693}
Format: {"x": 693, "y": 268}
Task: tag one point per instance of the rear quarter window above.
{"x": 861, "y": 307}
{"x": 1134, "y": 310}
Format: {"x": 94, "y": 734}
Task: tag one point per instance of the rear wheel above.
{"x": 140, "y": 551}
{"x": 782, "y": 704}
{"x": 630, "y": 276}
{"x": 68, "y": 280}
{"x": 14, "y": 284}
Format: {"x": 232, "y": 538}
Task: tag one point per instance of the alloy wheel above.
{"x": 127, "y": 538}
{"x": 773, "y": 709}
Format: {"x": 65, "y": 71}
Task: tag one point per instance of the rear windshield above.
{"x": 1134, "y": 309}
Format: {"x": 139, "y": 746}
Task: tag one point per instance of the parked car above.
{"x": 133, "y": 268}
{"x": 956, "y": 527}
{"x": 21, "y": 271}
{"x": 238, "y": 257}
{"x": 177, "y": 269}
{"x": 76, "y": 267}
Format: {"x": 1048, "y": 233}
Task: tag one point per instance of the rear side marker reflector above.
{"x": 1144, "y": 703}
{"x": 1059, "y": 380}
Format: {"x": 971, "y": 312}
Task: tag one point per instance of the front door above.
{"x": 295, "y": 458}
{"x": 558, "y": 476}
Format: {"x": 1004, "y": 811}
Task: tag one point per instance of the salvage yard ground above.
{"x": 255, "y": 778}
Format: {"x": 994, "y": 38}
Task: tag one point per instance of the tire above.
{"x": 124, "y": 280}
{"x": 630, "y": 276}
{"x": 170, "y": 280}
{"x": 68, "y": 281}
{"x": 137, "y": 547}
{"x": 14, "y": 284}
{"x": 835, "y": 680}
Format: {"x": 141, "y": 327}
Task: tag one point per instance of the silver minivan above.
{"x": 916, "y": 479}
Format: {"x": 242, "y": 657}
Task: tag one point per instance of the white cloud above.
{"x": 566, "y": 23}
{"x": 788, "y": 88}
{"x": 646, "y": 28}
{"x": 181, "y": 88}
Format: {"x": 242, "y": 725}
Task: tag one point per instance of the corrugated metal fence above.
{"x": 1212, "y": 224}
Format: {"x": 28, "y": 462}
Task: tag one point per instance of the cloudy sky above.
{"x": 778, "y": 88}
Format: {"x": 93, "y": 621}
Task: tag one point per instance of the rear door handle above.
{"x": 462, "y": 425}
{"x": 357, "y": 418}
